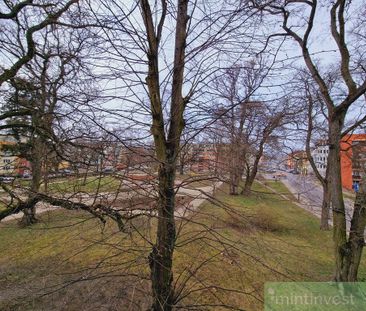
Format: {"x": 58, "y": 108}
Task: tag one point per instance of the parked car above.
{"x": 26, "y": 175}
{"x": 65, "y": 172}
{"x": 108, "y": 170}
{"x": 296, "y": 172}
{"x": 7, "y": 179}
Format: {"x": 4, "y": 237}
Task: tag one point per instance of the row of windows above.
{"x": 320, "y": 159}
{"x": 325, "y": 151}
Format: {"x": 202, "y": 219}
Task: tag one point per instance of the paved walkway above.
{"x": 198, "y": 195}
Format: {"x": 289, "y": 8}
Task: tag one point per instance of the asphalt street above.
{"x": 309, "y": 193}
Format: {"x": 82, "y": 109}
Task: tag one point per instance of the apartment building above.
{"x": 353, "y": 159}
{"x": 320, "y": 155}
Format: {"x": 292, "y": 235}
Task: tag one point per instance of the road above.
{"x": 309, "y": 193}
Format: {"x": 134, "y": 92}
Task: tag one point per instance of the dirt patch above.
{"x": 263, "y": 221}
{"x": 79, "y": 294}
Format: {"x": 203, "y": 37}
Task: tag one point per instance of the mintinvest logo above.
{"x": 314, "y": 296}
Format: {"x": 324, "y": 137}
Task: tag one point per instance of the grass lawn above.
{"x": 280, "y": 188}
{"x": 223, "y": 256}
{"x": 91, "y": 184}
{"x": 195, "y": 180}
{"x": 72, "y": 184}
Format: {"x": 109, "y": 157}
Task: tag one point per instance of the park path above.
{"x": 197, "y": 194}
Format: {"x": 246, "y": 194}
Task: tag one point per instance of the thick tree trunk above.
{"x": 356, "y": 239}
{"x": 253, "y": 173}
{"x": 339, "y": 216}
{"x": 325, "y": 212}
{"x": 248, "y": 185}
{"x": 161, "y": 257}
{"x": 234, "y": 183}
{"x": 347, "y": 252}
{"x": 166, "y": 147}
{"x": 29, "y": 216}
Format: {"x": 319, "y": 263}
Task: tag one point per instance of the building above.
{"x": 352, "y": 156}
{"x": 353, "y": 159}
{"x": 8, "y": 161}
{"x": 203, "y": 157}
{"x": 320, "y": 155}
{"x": 10, "y": 164}
{"x": 298, "y": 161}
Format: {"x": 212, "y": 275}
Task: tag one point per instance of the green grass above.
{"x": 195, "y": 180}
{"x": 91, "y": 184}
{"x": 73, "y": 184}
{"x": 239, "y": 245}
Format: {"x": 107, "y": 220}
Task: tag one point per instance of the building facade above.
{"x": 320, "y": 155}
{"x": 353, "y": 159}
{"x": 10, "y": 164}
{"x": 298, "y": 161}
{"x": 352, "y": 156}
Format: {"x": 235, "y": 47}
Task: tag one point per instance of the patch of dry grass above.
{"x": 224, "y": 254}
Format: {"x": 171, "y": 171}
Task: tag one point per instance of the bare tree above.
{"x": 352, "y": 86}
{"x": 18, "y": 32}
{"x": 155, "y": 59}
{"x": 250, "y": 124}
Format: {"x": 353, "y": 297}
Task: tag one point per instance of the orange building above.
{"x": 298, "y": 161}
{"x": 353, "y": 159}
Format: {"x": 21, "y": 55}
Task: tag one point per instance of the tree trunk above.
{"x": 161, "y": 257}
{"x": 29, "y": 216}
{"x": 347, "y": 252}
{"x": 166, "y": 147}
{"x": 248, "y": 185}
{"x": 86, "y": 175}
{"x": 324, "y": 219}
{"x": 252, "y": 174}
{"x": 46, "y": 178}
{"x": 236, "y": 169}
{"x": 234, "y": 183}
{"x": 181, "y": 169}
{"x": 339, "y": 217}
{"x": 356, "y": 239}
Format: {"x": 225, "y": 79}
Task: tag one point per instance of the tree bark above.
{"x": 325, "y": 211}
{"x": 29, "y": 217}
{"x": 253, "y": 173}
{"x": 339, "y": 216}
{"x": 236, "y": 177}
{"x": 356, "y": 239}
{"x": 166, "y": 147}
{"x": 161, "y": 257}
